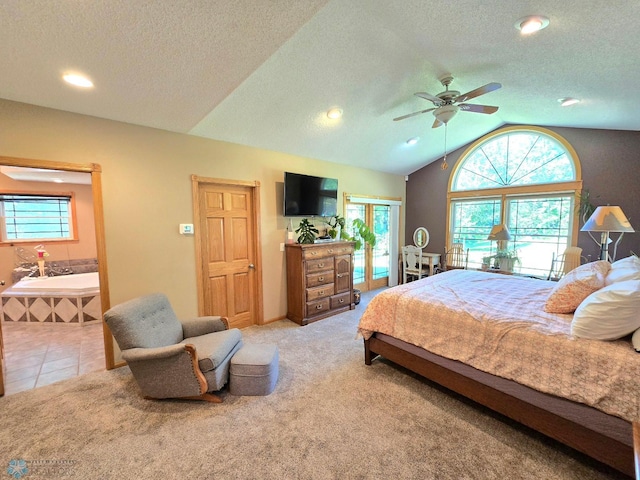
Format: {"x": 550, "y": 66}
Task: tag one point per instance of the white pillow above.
{"x": 609, "y": 313}
{"x": 624, "y": 269}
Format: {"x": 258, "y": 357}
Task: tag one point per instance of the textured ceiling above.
{"x": 264, "y": 72}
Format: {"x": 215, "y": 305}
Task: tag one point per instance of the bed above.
{"x": 460, "y": 330}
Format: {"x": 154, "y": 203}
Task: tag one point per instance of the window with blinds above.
{"x": 29, "y": 217}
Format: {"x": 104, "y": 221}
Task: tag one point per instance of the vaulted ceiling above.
{"x": 264, "y": 72}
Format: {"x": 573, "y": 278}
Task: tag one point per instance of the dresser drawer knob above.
{"x": 330, "y": 250}
{"x": 342, "y": 300}
{"x": 321, "y": 279}
{"x": 318, "y": 307}
{"x": 339, "y": 275}
{"x": 321, "y": 292}
{"x": 320, "y": 265}
{"x": 314, "y": 253}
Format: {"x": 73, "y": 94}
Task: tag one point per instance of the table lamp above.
{"x": 605, "y": 220}
{"x": 500, "y": 233}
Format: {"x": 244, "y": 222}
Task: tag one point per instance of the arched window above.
{"x": 526, "y": 178}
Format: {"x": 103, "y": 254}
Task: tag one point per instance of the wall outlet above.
{"x": 282, "y": 247}
{"x": 186, "y": 229}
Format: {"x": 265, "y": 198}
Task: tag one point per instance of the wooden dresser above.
{"x": 319, "y": 280}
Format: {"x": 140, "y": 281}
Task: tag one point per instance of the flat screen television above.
{"x": 309, "y": 196}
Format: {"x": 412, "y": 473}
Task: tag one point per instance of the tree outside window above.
{"x": 526, "y": 178}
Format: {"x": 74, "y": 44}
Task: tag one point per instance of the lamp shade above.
{"x": 499, "y": 232}
{"x": 607, "y": 219}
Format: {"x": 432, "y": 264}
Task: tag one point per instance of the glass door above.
{"x": 371, "y": 265}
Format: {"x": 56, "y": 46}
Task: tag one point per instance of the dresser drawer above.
{"x": 320, "y": 265}
{"x": 326, "y": 251}
{"x": 321, "y": 278}
{"x": 341, "y": 300}
{"x": 314, "y": 308}
{"x": 320, "y": 292}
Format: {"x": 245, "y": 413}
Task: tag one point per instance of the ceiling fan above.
{"x": 449, "y": 102}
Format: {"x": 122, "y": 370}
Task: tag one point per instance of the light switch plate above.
{"x": 186, "y": 229}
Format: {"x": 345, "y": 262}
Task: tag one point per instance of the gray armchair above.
{"x": 170, "y": 358}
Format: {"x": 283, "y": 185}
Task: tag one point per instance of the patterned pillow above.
{"x": 577, "y": 285}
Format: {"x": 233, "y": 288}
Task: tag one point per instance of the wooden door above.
{"x": 371, "y": 265}
{"x": 228, "y": 253}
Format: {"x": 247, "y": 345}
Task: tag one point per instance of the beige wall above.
{"x": 147, "y": 193}
{"x": 85, "y": 247}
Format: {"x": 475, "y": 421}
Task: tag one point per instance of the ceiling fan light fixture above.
{"x": 446, "y": 113}
{"x": 531, "y": 24}
{"x": 568, "y": 101}
{"x": 334, "y": 113}
{"x": 412, "y": 141}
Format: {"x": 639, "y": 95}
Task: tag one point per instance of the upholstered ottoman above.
{"x": 254, "y": 370}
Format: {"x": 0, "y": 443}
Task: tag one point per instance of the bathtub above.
{"x": 68, "y": 299}
{"x": 78, "y": 284}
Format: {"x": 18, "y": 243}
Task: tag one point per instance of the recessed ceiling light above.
{"x": 565, "y": 102}
{"x": 334, "y": 113}
{"x": 532, "y": 24}
{"x": 77, "y": 80}
{"x": 413, "y": 141}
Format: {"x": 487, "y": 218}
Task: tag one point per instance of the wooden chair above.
{"x": 412, "y": 263}
{"x": 454, "y": 258}
{"x": 564, "y": 263}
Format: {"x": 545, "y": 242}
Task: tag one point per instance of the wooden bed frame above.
{"x": 581, "y": 429}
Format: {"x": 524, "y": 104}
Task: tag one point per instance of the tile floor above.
{"x": 40, "y": 354}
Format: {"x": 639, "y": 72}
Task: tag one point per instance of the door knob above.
{"x": 251, "y": 265}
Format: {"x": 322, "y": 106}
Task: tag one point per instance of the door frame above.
{"x": 395, "y": 223}
{"x": 254, "y": 186}
{"x": 98, "y": 213}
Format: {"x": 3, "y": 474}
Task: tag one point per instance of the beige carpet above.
{"x": 330, "y": 417}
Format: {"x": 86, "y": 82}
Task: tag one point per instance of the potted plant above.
{"x": 362, "y": 233}
{"x": 306, "y": 231}
{"x": 506, "y": 259}
{"x": 336, "y": 226}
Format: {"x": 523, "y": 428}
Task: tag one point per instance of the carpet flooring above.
{"x": 330, "y": 417}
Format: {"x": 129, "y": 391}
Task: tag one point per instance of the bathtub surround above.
{"x": 68, "y": 299}
{"x": 56, "y": 267}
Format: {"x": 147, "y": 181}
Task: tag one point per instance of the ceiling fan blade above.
{"x": 412, "y": 114}
{"x": 437, "y": 123}
{"x": 427, "y": 96}
{"x": 467, "y": 107}
{"x": 489, "y": 87}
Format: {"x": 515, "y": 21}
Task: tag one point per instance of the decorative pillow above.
{"x": 577, "y": 285}
{"x": 624, "y": 269}
{"x": 610, "y": 313}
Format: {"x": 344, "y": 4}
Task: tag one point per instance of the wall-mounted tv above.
{"x": 309, "y": 196}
